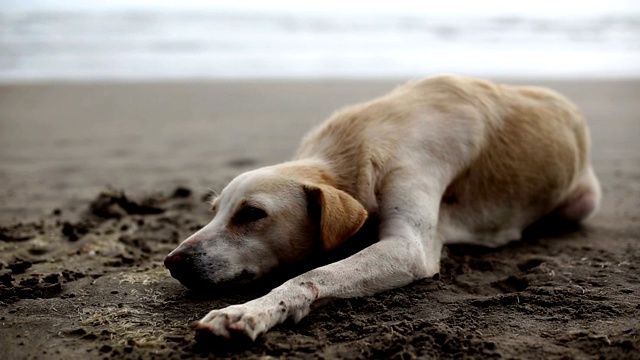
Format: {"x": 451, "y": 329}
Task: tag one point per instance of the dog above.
{"x": 446, "y": 159}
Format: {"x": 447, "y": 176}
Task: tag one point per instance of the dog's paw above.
{"x": 247, "y": 319}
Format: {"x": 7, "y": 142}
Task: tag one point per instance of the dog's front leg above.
{"x": 385, "y": 265}
{"x": 409, "y": 249}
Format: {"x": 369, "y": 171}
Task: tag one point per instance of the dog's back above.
{"x": 516, "y": 152}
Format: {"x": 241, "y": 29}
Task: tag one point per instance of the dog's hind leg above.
{"x": 583, "y": 201}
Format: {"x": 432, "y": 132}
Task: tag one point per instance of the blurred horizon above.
{"x": 543, "y": 8}
{"x": 248, "y": 39}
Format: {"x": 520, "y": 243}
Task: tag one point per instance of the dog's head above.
{"x": 263, "y": 219}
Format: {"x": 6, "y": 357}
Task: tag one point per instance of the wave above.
{"x": 148, "y": 44}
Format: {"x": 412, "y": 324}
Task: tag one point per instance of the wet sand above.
{"x": 80, "y": 266}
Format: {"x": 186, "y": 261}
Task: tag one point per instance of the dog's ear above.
{"x": 339, "y": 214}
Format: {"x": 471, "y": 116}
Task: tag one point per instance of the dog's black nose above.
{"x": 180, "y": 264}
{"x": 173, "y": 260}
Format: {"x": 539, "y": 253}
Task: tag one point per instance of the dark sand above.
{"x": 81, "y": 273}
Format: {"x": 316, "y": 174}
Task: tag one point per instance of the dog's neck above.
{"x": 317, "y": 171}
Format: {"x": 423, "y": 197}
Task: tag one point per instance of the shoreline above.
{"x": 304, "y": 80}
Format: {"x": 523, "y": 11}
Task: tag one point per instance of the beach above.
{"x": 100, "y": 180}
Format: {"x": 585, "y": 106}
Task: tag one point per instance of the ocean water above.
{"x": 150, "y": 44}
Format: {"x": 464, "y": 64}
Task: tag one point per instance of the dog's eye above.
{"x": 249, "y": 214}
